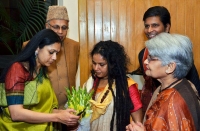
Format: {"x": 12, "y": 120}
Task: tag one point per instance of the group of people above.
{"x": 157, "y": 20}
{"x": 168, "y": 100}
{"x": 46, "y": 57}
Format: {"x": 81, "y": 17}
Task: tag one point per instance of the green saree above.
{"x": 47, "y": 102}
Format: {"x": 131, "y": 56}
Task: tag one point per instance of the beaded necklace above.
{"x": 94, "y": 88}
{"x": 168, "y": 86}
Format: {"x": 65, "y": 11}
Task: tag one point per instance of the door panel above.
{"x": 121, "y": 21}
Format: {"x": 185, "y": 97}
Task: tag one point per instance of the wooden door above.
{"x": 121, "y": 21}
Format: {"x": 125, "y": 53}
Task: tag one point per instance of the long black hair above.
{"x": 117, "y": 60}
{"x": 41, "y": 39}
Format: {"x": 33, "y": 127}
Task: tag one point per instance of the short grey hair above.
{"x": 172, "y": 48}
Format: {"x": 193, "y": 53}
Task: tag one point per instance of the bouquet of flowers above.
{"x": 79, "y": 101}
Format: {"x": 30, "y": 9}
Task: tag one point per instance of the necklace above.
{"x": 168, "y": 86}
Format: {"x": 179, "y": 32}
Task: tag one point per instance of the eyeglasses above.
{"x": 57, "y": 27}
{"x": 150, "y": 58}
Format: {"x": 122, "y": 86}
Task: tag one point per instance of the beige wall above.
{"x": 73, "y": 32}
{"x": 72, "y": 8}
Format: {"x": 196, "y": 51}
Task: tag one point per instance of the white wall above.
{"x": 73, "y": 32}
{"x": 72, "y": 8}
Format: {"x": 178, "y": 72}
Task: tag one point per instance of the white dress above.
{"x": 103, "y": 122}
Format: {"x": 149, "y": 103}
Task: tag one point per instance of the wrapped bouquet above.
{"x": 79, "y": 101}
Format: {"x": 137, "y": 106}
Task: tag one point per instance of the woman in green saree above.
{"x": 29, "y": 66}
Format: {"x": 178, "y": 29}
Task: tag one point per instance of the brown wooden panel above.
{"x": 83, "y": 41}
{"x": 155, "y": 2}
{"x": 196, "y": 41}
{"x": 179, "y": 20}
{"x": 98, "y": 21}
{"x": 172, "y": 7}
{"x": 139, "y": 38}
{"x": 122, "y": 27}
{"x": 114, "y": 19}
{"x": 91, "y": 30}
{"x": 189, "y": 25}
{"x": 121, "y": 21}
{"x": 106, "y": 20}
{"x": 130, "y": 33}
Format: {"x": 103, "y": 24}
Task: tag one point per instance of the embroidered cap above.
{"x": 57, "y": 12}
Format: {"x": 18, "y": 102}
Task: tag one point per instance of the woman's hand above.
{"x": 135, "y": 126}
{"x": 67, "y": 117}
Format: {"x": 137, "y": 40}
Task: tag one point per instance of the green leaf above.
{"x": 79, "y": 99}
{"x": 32, "y": 20}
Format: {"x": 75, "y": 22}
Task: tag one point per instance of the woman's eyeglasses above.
{"x": 150, "y": 58}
